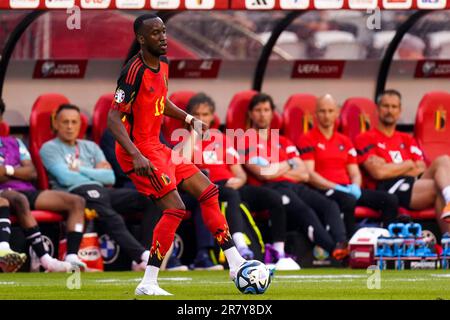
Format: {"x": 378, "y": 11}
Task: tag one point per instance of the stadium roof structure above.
{"x": 166, "y": 9}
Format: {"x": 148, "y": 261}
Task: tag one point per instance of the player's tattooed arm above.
{"x": 142, "y": 166}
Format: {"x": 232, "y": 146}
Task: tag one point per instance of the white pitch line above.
{"x": 330, "y": 276}
{"x": 441, "y": 275}
{"x": 139, "y": 279}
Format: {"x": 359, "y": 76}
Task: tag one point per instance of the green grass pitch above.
{"x": 303, "y": 284}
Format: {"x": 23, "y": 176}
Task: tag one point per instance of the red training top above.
{"x": 331, "y": 156}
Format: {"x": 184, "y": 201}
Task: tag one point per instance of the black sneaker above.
{"x": 174, "y": 264}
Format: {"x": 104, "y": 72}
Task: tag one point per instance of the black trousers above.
{"x": 312, "y": 214}
{"x": 256, "y": 199}
{"x": 110, "y": 204}
{"x": 374, "y": 199}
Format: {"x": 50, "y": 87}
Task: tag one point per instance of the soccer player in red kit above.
{"x": 332, "y": 163}
{"x": 395, "y": 163}
{"x": 135, "y": 121}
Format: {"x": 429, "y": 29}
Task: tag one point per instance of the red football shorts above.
{"x": 167, "y": 176}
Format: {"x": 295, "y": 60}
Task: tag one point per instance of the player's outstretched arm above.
{"x": 171, "y": 110}
{"x": 142, "y": 166}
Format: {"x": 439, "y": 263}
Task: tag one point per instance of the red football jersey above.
{"x": 395, "y": 149}
{"x": 267, "y": 152}
{"x": 215, "y": 156}
{"x": 331, "y": 156}
{"x": 141, "y": 96}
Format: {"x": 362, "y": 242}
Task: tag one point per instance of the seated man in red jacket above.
{"x": 332, "y": 163}
{"x": 395, "y": 163}
{"x": 220, "y": 159}
{"x": 274, "y": 161}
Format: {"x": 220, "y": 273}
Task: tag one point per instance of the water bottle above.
{"x": 389, "y": 248}
{"x": 397, "y": 229}
{"x": 381, "y": 245}
{"x": 420, "y": 247}
{"x": 445, "y": 242}
{"x": 398, "y": 247}
{"x": 409, "y": 247}
{"x": 413, "y": 230}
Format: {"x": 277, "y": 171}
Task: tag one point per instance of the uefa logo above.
{"x": 428, "y": 68}
{"x": 48, "y": 68}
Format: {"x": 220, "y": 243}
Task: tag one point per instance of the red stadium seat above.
{"x": 298, "y": 115}
{"x": 41, "y": 129}
{"x": 364, "y": 213}
{"x": 39, "y": 215}
{"x": 237, "y": 112}
{"x": 428, "y": 214}
{"x": 181, "y": 99}
{"x": 100, "y": 116}
{"x": 4, "y": 129}
{"x": 357, "y": 116}
{"x": 432, "y": 128}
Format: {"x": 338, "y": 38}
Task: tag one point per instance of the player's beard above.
{"x": 388, "y": 121}
{"x": 155, "y": 51}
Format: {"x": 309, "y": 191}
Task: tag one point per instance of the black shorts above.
{"x": 31, "y": 195}
{"x": 401, "y": 187}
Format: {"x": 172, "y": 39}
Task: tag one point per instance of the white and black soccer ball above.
{"x": 253, "y": 277}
